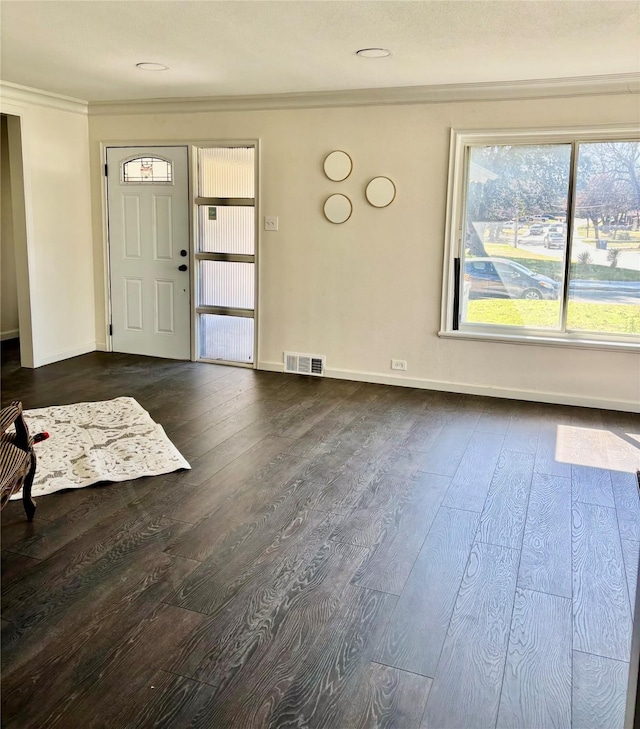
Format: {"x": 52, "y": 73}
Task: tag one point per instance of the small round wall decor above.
{"x": 380, "y": 192}
{"x": 337, "y": 208}
{"x": 338, "y": 166}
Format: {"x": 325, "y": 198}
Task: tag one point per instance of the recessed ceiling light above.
{"x": 151, "y": 67}
{"x": 373, "y": 52}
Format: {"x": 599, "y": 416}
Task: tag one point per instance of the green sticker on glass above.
{"x": 213, "y": 213}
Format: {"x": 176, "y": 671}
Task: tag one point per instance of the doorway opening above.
{"x": 15, "y": 307}
{"x": 9, "y": 328}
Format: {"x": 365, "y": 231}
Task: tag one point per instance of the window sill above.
{"x": 542, "y": 340}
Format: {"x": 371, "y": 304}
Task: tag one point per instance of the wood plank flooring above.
{"x": 341, "y": 555}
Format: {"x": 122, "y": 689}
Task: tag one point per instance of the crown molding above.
{"x": 26, "y": 95}
{"x": 628, "y": 83}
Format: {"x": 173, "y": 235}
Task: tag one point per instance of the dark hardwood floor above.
{"x": 341, "y": 555}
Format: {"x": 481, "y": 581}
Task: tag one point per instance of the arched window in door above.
{"x": 147, "y": 169}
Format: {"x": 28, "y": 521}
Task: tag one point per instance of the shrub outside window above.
{"x": 544, "y": 237}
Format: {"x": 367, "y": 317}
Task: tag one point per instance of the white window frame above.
{"x": 461, "y": 141}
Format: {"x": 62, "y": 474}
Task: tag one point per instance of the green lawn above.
{"x": 554, "y": 269}
{"x": 591, "y": 317}
{"x": 504, "y": 250}
{"x": 625, "y": 245}
{"x": 634, "y": 235}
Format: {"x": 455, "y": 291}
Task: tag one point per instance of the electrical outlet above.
{"x": 399, "y": 364}
{"x": 270, "y": 222}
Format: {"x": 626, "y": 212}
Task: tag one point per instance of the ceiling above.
{"x": 88, "y": 49}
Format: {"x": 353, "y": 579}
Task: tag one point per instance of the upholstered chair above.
{"x": 17, "y": 458}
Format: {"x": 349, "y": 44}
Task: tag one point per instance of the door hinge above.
{"x": 110, "y": 330}
{"x": 106, "y": 170}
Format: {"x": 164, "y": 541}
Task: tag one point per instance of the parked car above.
{"x": 536, "y": 229}
{"x": 512, "y": 223}
{"x": 555, "y": 237}
{"x": 502, "y": 278}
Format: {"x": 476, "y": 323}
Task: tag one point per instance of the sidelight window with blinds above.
{"x": 225, "y": 254}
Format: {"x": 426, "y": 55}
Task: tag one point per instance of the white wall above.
{"x": 9, "y": 327}
{"x": 370, "y": 289}
{"x": 55, "y": 162}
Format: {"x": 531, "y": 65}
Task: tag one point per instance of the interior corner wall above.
{"x": 57, "y": 198}
{"x": 9, "y": 326}
{"x": 370, "y": 290}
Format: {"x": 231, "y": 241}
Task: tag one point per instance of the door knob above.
{"x": 183, "y": 253}
{"x": 183, "y": 267}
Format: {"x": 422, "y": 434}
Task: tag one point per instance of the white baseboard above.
{"x": 271, "y": 366}
{"x": 101, "y": 347}
{"x": 9, "y": 334}
{"x": 555, "y": 398}
{"x": 58, "y": 356}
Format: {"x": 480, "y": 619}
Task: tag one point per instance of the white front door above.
{"x": 148, "y": 216}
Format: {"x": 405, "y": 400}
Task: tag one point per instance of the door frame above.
{"x": 192, "y": 172}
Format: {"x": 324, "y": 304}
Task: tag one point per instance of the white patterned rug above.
{"x": 114, "y": 440}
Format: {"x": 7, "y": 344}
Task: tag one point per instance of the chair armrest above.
{"x": 9, "y": 415}
{"x": 13, "y": 414}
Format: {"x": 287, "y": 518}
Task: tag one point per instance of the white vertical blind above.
{"x": 224, "y": 283}
{"x": 226, "y": 172}
{"x": 227, "y": 338}
{"x": 232, "y": 231}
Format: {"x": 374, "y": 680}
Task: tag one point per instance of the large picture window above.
{"x": 544, "y": 238}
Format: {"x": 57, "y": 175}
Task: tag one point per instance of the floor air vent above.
{"x": 304, "y": 364}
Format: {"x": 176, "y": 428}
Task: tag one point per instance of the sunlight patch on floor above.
{"x": 598, "y": 447}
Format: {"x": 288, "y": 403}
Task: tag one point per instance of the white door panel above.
{"x": 133, "y": 304}
{"x": 164, "y": 306}
{"x": 148, "y": 229}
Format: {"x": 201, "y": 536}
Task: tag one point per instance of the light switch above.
{"x": 270, "y": 222}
